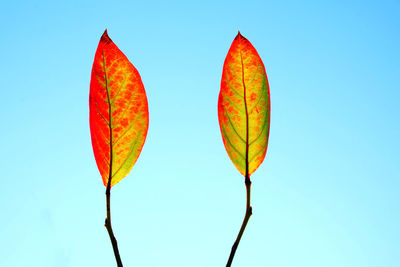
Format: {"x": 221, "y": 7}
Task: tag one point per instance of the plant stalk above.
{"x": 107, "y": 224}
{"x": 249, "y": 212}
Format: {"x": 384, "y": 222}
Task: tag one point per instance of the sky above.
{"x": 327, "y": 193}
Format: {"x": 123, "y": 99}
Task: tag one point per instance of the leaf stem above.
{"x": 107, "y": 224}
{"x": 249, "y": 212}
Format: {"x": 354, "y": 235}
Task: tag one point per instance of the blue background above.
{"x": 327, "y": 194}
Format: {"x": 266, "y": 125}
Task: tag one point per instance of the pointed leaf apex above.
{"x": 105, "y": 37}
{"x": 239, "y": 36}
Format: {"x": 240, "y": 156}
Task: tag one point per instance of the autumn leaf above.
{"x": 244, "y": 106}
{"x": 119, "y": 115}
{"x": 244, "y": 115}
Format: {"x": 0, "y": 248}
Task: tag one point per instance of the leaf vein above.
{"x": 231, "y": 145}
{"x": 130, "y": 126}
{"x": 233, "y": 127}
{"x": 262, "y": 130}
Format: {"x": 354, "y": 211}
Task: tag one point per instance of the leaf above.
{"x": 118, "y": 110}
{"x": 244, "y": 106}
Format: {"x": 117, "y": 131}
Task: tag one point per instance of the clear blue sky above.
{"x": 327, "y": 194}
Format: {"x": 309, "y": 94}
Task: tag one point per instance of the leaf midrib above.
{"x": 247, "y": 115}
{"x": 109, "y": 118}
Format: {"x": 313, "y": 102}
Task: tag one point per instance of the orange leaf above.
{"x": 244, "y": 106}
{"x": 119, "y": 116}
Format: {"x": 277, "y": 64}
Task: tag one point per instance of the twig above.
{"x": 249, "y": 212}
{"x": 107, "y": 224}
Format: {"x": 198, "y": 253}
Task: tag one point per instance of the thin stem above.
{"x": 107, "y": 224}
{"x": 249, "y": 212}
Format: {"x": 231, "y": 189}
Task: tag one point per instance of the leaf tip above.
{"x": 239, "y": 36}
{"x": 105, "y": 36}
